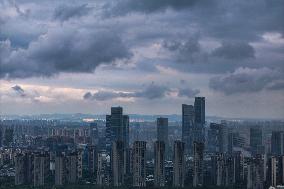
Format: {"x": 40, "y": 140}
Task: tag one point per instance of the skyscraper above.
{"x": 162, "y": 132}
{"x": 187, "y": 126}
{"x": 277, "y": 143}
{"x": 117, "y": 128}
{"x": 256, "y": 140}
{"x": 92, "y": 160}
{"x": 218, "y": 138}
{"x": 272, "y": 170}
{"x": 199, "y": 110}
{"x": 179, "y": 164}
{"x": 159, "y": 164}
{"x": 94, "y": 134}
{"x": 255, "y": 173}
{"x": 139, "y": 164}
{"x": 118, "y": 163}
{"x": 198, "y": 149}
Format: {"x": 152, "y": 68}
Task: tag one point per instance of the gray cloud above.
{"x": 148, "y": 6}
{"x": 188, "y": 92}
{"x": 245, "y": 80}
{"x": 234, "y": 51}
{"x": 62, "y": 50}
{"x": 151, "y": 92}
{"x": 65, "y": 12}
{"x": 19, "y": 90}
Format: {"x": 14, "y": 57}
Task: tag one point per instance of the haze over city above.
{"x": 128, "y": 94}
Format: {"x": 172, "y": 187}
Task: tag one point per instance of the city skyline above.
{"x": 148, "y": 57}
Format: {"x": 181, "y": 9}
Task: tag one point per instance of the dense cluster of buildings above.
{"x": 214, "y": 154}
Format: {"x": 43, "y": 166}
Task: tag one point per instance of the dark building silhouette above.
{"x": 159, "y": 164}
{"x": 163, "y": 132}
{"x": 198, "y": 150}
{"x": 178, "y": 164}
{"x": 256, "y": 140}
{"x": 277, "y": 143}
{"x": 187, "y": 127}
{"x": 139, "y": 163}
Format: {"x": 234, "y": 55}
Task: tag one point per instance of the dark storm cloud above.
{"x": 19, "y": 90}
{"x": 188, "y": 92}
{"x": 151, "y": 92}
{"x": 234, "y": 51}
{"x": 62, "y": 50}
{"x": 65, "y": 12}
{"x": 148, "y": 6}
{"x": 246, "y": 80}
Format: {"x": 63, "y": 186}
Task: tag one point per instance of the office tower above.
{"x": 199, "y": 120}
{"x": 92, "y": 160}
{"x": 118, "y": 163}
{"x": 40, "y": 169}
{"x": 117, "y": 128}
{"x": 71, "y": 167}
{"x": 179, "y": 164}
{"x": 199, "y": 110}
{"x": 218, "y": 138}
{"x": 159, "y": 164}
{"x": 187, "y": 126}
{"x": 94, "y": 134}
{"x": 102, "y": 170}
{"x": 255, "y": 173}
{"x": 162, "y": 132}
{"x": 272, "y": 170}
{"x": 277, "y": 143}
{"x": 139, "y": 163}
{"x": 255, "y": 140}
{"x": 198, "y": 149}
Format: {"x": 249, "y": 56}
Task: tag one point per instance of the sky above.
{"x": 150, "y": 56}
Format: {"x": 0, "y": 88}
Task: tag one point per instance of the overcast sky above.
{"x": 149, "y": 56}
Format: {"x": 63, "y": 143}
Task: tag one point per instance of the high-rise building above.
{"x": 94, "y": 134}
{"x": 1, "y": 136}
{"x": 162, "y": 131}
{"x": 280, "y": 170}
{"x": 199, "y": 110}
{"x": 159, "y": 164}
{"x": 277, "y": 143}
{"x": 68, "y": 167}
{"x": 199, "y": 120}
{"x": 255, "y": 173}
{"x": 139, "y": 163}
{"x": 92, "y": 160}
{"x": 118, "y": 163}
{"x": 178, "y": 164}
{"x": 187, "y": 126}
{"x": 117, "y": 128}
{"x": 272, "y": 170}
{"x": 60, "y": 169}
{"x": 8, "y": 136}
{"x": 24, "y": 166}
{"x": 256, "y": 140}
{"x": 102, "y": 170}
{"x": 198, "y": 149}
{"x": 40, "y": 169}
{"x": 218, "y": 138}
